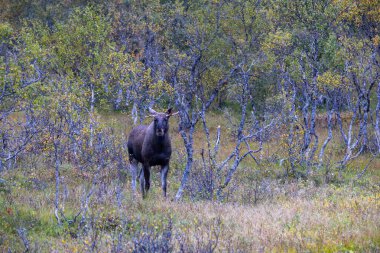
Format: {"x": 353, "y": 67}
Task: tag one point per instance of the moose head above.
{"x": 161, "y": 121}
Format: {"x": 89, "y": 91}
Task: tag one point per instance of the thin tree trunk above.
{"x": 349, "y": 145}
{"x": 241, "y": 138}
{"x": 377, "y": 124}
{"x": 329, "y": 136}
{"x": 313, "y": 132}
{"x": 57, "y": 181}
{"x": 92, "y": 105}
{"x": 188, "y": 140}
{"x": 292, "y": 116}
{"x": 233, "y": 168}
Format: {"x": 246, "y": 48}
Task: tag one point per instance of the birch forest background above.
{"x": 276, "y": 144}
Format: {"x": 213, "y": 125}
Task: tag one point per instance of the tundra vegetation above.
{"x": 275, "y": 146}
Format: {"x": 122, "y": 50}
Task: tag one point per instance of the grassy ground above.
{"x": 262, "y": 212}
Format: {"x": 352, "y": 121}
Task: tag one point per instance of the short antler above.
{"x": 151, "y": 111}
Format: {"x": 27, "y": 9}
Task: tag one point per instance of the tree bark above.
{"x": 377, "y": 124}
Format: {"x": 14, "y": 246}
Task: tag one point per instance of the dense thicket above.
{"x": 296, "y": 59}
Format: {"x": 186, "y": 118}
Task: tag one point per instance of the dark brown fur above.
{"x": 150, "y": 145}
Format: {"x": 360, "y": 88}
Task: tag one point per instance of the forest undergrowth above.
{"x": 262, "y": 209}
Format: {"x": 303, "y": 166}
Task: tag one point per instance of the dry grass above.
{"x": 294, "y": 224}
{"x": 299, "y": 217}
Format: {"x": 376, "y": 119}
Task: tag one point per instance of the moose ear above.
{"x": 169, "y": 112}
{"x": 151, "y": 111}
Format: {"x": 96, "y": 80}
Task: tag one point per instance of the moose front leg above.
{"x": 142, "y": 182}
{"x": 146, "y": 174}
{"x": 164, "y": 175}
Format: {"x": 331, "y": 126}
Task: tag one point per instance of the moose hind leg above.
{"x": 134, "y": 166}
{"x": 164, "y": 175}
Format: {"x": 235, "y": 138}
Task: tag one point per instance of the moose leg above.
{"x": 164, "y": 175}
{"x": 142, "y": 182}
{"x": 134, "y": 168}
{"x": 146, "y": 173}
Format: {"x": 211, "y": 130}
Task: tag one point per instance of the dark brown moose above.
{"x": 150, "y": 146}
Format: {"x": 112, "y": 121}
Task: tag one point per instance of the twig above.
{"x": 365, "y": 168}
{"x": 22, "y": 233}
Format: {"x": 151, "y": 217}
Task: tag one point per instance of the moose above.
{"x": 150, "y": 146}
